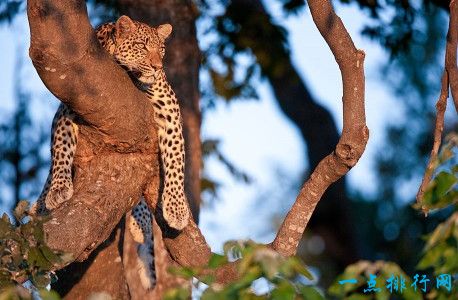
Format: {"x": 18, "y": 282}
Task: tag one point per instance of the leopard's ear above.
{"x": 164, "y": 31}
{"x": 124, "y": 27}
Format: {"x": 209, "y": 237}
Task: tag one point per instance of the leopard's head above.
{"x": 140, "y": 48}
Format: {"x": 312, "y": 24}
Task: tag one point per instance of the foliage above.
{"x": 285, "y": 276}
{"x": 25, "y": 256}
{"x": 441, "y": 250}
{"x": 440, "y": 253}
{"x": 443, "y": 189}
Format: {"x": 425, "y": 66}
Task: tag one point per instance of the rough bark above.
{"x": 117, "y": 159}
{"x": 451, "y": 55}
{"x": 101, "y": 273}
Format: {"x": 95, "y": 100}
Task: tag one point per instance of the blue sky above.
{"x": 255, "y": 135}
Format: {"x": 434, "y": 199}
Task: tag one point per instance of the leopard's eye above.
{"x": 139, "y": 45}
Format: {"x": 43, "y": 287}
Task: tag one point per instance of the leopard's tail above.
{"x": 145, "y": 264}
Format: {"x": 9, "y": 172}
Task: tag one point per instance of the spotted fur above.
{"x": 140, "y": 50}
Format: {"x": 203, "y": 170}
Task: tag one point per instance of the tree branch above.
{"x": 354, "y": 135}
{"x": 332, "y": 218}
{"x": 76, "y": 69}
{"x": 449, "y": 78}
{"x": 103, "y": 272}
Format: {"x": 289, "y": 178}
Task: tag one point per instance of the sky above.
{"x": 255, "y": 135}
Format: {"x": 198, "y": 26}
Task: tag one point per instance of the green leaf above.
{"x": 445, "y": 181}
{"x": 246, "y": 262}
{"x": 217, "y": 260}
{"x": 49, "y": 295}
{"x": 359, "y": 297}
{"x": 246, "y": 279}
{"x": 310, "y": 293}
{"x": 431, "y": 257}
{"x": 177, "y": 294}
{"x": 41, "y": 280}
{"x": 184, "y": 272}
{"x": 5, "y": 226}
{"x": 27, "y": 230}
{"x": 233, "y": 248}
{"x": 52, "y": 257}
{"x": 442, "y": 232}
{"x": 36, "y": 258}
{"x": 300, "y": 268}
{"x": 284, "y": 291}
{"x": 5, "y": 280}
{"x": 66, "y": 258}
{"x": 210, "y": 294}
{"x": 15, "y": 293}
{"x": 269, "y": 261}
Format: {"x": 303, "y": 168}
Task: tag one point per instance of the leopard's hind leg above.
{"x": 59, "y": 185}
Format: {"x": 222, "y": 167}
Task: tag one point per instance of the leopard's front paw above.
{"x": 176, "y": 212}
{"x": 58, "y": 195}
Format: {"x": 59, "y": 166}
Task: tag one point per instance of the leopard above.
{"x": 140, "y": 50}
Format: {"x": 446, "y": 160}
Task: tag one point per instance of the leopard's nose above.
{"x": 155, "y": 59}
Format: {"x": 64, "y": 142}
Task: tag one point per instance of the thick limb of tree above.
{"x": 117, "y": 159}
